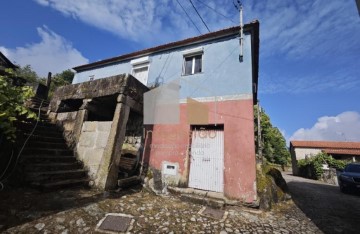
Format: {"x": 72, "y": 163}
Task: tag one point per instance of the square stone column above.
{"x": 109, "y": 166}
{"x": 81, "y": 116}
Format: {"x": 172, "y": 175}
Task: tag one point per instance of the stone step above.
{"x": 42, "y": 145}
{"x": 127, "y": 182}
{"x": 47, "y": 159}
{"x": 47, "y": 151}
{"x": 44, "y": 138}
{"x": 84, "y": 182}
{"x": 43, "y": 109}
{"x": 55, "y": 176}
{"x": 205, "y": 201}
{"x": 56, "y": 166}
{"x": 37, "y": 132}
{"x": 45, "y": 123}
{"x": 39, "y": 127}
{"x": 39, "y": 100}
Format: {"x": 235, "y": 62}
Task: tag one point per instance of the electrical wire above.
{"x": 219, "y": 13}
{"x": 188, "y": 16}
{"x": 22, "y": 148}
{"x": 199, "y": 15}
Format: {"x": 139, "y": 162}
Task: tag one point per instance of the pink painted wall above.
{"x": 170, "y": 143}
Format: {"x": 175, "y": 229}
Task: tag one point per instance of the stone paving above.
{"x": 78, "y": 211}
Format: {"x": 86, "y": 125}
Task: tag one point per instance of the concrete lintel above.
{"x": 108, "y": 170}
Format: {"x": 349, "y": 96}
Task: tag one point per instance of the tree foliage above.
{"x": 12, "y": 99}
{"x": 272, "y": 144}
{"x": 313, "y": 167}
{"x": 27, "y": 73}
{"x": 61, "y": 79}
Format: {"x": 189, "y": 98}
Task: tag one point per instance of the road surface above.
{"x": 331, "y": 210}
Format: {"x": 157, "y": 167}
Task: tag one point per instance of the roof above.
{"x": 325, "y": 144}
{"x": 253, "y": 26}
{"x": 343, "y": 151}
{"x": 7, "y": 61}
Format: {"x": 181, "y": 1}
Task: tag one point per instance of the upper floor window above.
{"x": 192, "y": 64}
{"x": 140, "y": 69}
{"x": 192, "y": 61}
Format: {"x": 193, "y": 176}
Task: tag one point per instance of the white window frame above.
{"x": 192, "y": 53}
{"x": 140, "y": 63}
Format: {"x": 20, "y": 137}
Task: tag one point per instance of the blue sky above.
{"x": 309, "y": 51}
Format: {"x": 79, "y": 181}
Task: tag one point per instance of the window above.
{"x": 141, "y": 73}
{"x": 192, "y": 61}
{"x": 192, "y": 64}
{"x": 140, "y": 69}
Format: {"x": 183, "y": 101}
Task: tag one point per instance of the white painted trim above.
{"x": 141, "y": 60}
{"x": 198, "y": 50}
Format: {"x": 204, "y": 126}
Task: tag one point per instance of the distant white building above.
{"x": 338, "y": 150}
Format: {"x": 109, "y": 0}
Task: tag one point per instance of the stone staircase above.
{"x": 47, "y": 162}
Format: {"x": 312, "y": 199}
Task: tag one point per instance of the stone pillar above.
{"x": 81, "y": 116}
{"x": 108, "y": 170}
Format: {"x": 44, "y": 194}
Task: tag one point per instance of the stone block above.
{"x": 66, "y": 116}
{"x": 102, "y": 139}
{"x": 68, "y": 125}
{"x": 81, "y": 152}
{"x": 89, "y": 126}
{"x": 104, "y": 126}
{"x": 94, "y": 156}
{"x": 87, "y": 139}
{"x": 52, "y": 115}
{"x": 61, "y": 116}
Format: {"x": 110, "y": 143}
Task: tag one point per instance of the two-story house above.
{"x": 199, "y": 112}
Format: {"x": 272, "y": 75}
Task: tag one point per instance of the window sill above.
{"x": 199, "y": 73}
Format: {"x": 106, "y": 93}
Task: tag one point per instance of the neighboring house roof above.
{"x": 343, "y": 151}
{"x": 252, "y": 27}
{"x": 330, "y": 147}
{"x": 5, "y": 62}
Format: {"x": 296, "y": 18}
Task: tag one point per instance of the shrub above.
{"x": 313, "y": 167}
{"x": 12, "y": 99}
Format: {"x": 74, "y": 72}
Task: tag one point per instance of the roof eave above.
{"x": 252, "y": 27}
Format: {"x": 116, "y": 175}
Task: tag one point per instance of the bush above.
{"x": 313, "y": 167}
{"x": 12, "y": 99}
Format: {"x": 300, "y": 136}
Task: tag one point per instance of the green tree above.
{"x": 27, "y": 73}
{"x": 61, "y": 79}
{"x": 12, "y": 100}
{"x": 272, "y": 144}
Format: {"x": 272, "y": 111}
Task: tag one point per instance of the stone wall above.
{"x": 66, "y": 121}
{"x": 330, "y": 176}
{"x": 93, "y": 139}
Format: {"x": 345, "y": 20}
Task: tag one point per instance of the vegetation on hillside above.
{"x": 273, "y": 144}
{"x": 12, "y": 99}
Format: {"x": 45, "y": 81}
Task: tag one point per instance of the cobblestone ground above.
{"x": 78, "y": 211}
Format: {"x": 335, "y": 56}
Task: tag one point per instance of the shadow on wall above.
{"x": 330, "y": 210}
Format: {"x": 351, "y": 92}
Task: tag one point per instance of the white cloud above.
{"x": 53, "y": 53}
{"x": 148, "y": 22}
{"x": 343, "y": 127}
